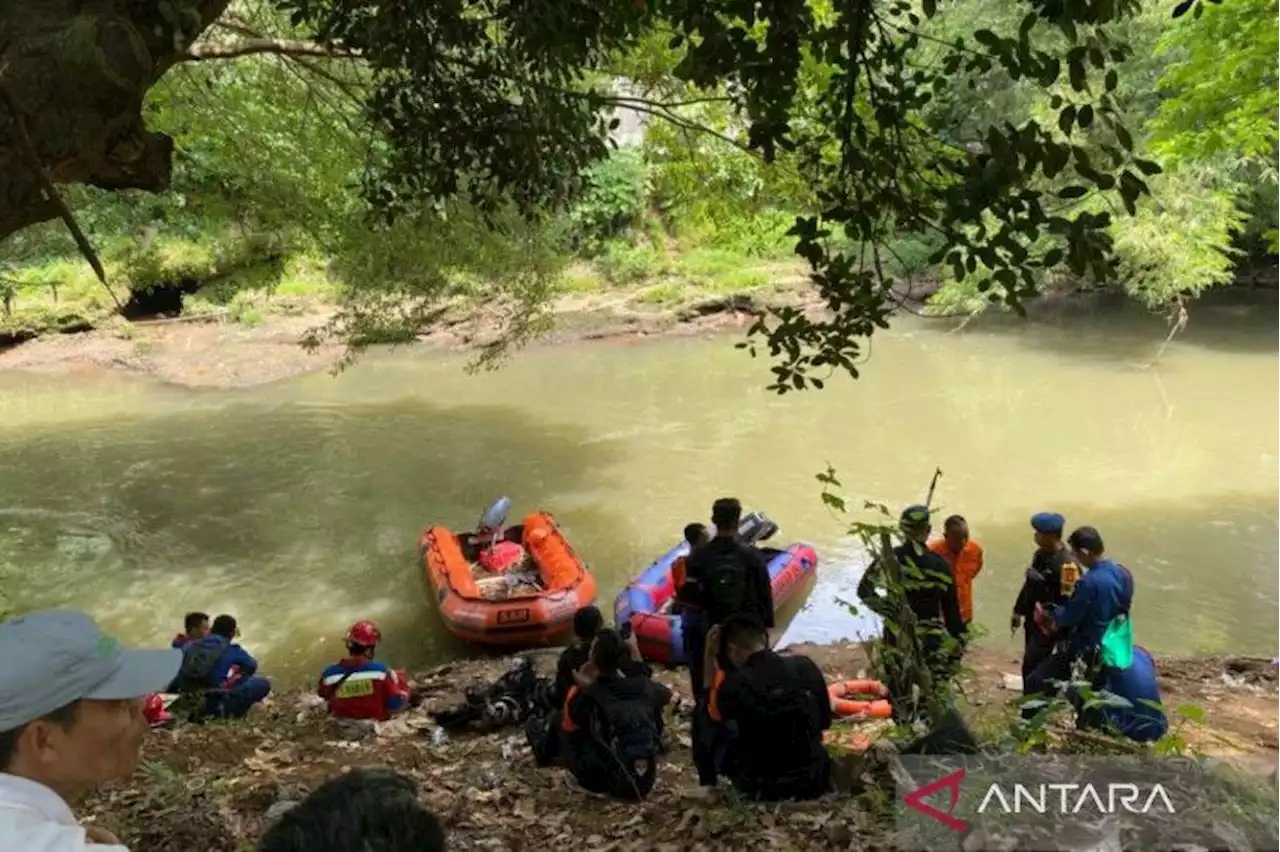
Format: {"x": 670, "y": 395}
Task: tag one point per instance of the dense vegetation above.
{"x": 998, "y": 149}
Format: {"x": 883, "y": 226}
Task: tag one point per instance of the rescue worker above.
{"x": 965, "y": 556}
{"x": 1050, "y": 580}
{"x": 929, "y": 590}
{"x": 359, "y": 686}
{"x": 195, "y": 626}
{"x": 770, "y": 712}
{"x": 587, "y": 622}
{"x": 1104, "y": 593}
{"x": 222, "y": 672}
{"x": 1137, "y": 715}
{"x": 730, "y": 577}
{"x": 541, "y": 729}
{"x": 693, "y": 626}
{"x": 611, "y": 721}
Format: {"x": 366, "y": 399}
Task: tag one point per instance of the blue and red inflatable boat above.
{"x": 646, "y": 600}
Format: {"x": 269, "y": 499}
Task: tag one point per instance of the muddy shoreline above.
{"x": 216, "y": 787}
{"x": 214, "y": 352}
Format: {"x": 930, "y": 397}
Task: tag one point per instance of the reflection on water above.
{"x": 297, "y": 506}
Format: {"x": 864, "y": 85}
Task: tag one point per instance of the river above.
{"x": 297, "y": 505}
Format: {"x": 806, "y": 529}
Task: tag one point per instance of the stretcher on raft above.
{"x": 646, "y": 601}
{"x": 516, "y": 587}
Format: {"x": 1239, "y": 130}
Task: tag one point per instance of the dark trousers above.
{"x": 710, "y": 741}
{"x": 1036, "y": 648}
{"x": 695, "y": 642}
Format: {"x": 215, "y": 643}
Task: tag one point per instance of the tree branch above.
{"x": 51, "y": 194}
{"x": 206, "y": 50}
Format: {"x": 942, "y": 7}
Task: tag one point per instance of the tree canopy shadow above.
{"x": 298, "y": 518}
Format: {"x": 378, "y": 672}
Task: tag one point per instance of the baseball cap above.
{"x": 50, "y": 659}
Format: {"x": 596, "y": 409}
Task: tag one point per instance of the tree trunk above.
{"x": 76, "y": 74}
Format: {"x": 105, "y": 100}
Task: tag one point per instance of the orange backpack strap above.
{"x": 713, "y": 702}
{"x": 566, "y": 723}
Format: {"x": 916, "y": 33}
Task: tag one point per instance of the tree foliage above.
{"x": 501, "y": 103}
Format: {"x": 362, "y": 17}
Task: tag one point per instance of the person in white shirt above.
{"x": 70, "y": 719}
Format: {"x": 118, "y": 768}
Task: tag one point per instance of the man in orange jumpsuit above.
{"x": 964, "y": 555}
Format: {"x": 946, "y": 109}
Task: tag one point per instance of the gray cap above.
{"x": 50, "y": 659}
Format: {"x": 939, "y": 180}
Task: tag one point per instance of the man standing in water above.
{"x": 1050, "y": 580}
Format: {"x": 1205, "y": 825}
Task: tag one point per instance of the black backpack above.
{"x": 728, "y": 582}
{"x": 198, "y": 663}
{"x": 627, "y": 733}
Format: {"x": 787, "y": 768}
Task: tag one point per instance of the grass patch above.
{"x": 666, "y": 293}
{"x": 579, "y": 278}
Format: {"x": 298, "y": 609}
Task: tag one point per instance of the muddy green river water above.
{"x": 297, "y": 505}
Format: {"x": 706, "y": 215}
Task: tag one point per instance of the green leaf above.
{"x": 1147, "y": 167}
{"x": 1072, "y": 192}
{"x": 1193, "y": 713}
{"x": 1052, "y": 257}
{"x": 1077, "y": 74}
{"x": 1123, "y": 137}
{"x": 1066, "y": 119}
{"x": 1085, "y": 116}
{"x": 929, "y": 7}
{"x": 1112, "y": 80}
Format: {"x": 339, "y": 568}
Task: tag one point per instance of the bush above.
{"x": 625, "y": 264}
{"x": 612, "y": 204}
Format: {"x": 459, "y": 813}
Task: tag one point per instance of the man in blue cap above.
{"x": 1050, "y": 581}
{"x": 931, "y": 595}
{"x": 70, "y": 720}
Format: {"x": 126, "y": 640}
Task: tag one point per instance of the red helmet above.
{"x": 364, "y": 633}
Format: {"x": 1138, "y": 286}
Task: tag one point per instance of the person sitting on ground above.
{"x": 770, "y": 711}
{"x": 612, "y": 722}
{"x": 964, "y": 555}
{"x": 930, "y": 592}
{"x": 222, "y": 672}
{"x": 1137, "y": 713}
{"x": 587, "y": 622}
{"x": 70, "y": 721}
{"x": 364, "y": 810}
{"x": 195, "y": 626}
{"x": 360, "y": 686}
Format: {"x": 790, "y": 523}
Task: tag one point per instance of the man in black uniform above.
{"x": 768, "y": 713}
{"x": 930, "y": 591}
{"x": 730, "y": 578}
{"x": 1050, "y": 581}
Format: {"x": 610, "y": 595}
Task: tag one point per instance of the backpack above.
{"x": 1117, "y": 640}
{"x": 627, "y": 732}
{"x": 728, "y": 585}
{"x": 198, "y": 663}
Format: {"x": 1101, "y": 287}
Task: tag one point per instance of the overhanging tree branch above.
{"x": 207, "y": 50}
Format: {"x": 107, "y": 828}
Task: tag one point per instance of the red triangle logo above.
{"x": 915, "y": 800}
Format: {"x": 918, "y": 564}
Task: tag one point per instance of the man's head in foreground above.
{"x": 71, "y": 701}
{"x": 366, "y": 810}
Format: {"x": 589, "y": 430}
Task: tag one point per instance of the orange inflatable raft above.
{"x": 508, "y": 606}
{"x": 866, "y": 699}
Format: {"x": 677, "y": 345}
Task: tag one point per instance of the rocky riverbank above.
{"x": 215, "y": 787}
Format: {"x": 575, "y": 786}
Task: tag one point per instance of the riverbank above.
{"x": 262, "y": 344}
{"x": 216, "y": 787}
